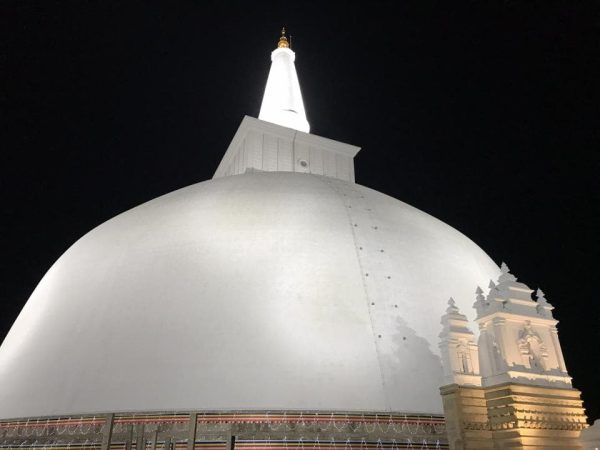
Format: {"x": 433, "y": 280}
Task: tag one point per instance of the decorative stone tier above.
{"x": 467, "y": 424}
{"x": 513, "y": 416}
{"x": 235, "y": 430}
{"x": 528, "y": 417}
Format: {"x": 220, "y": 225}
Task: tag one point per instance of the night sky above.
{"x": 483, "y": 114}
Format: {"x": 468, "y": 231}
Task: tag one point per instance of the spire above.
{"x": 541, "y": 297}
{"x": 283, "y": 42}
{"x": 452, "y": 308}
{"x": 493, "y": 290}
{"x": 543, "y": 307}
{"x": 480, "y": 302}
{"x": 505, "y": 274}
{"x": 282, "y": 102}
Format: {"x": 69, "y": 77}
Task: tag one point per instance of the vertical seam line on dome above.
{"x": 294, "y": 151}
{"x": 328, "y": 183}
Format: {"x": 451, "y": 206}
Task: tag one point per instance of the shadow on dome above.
{"x": 409, "y": 358}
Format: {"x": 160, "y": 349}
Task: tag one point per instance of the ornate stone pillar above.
{"x": 465, "y": 409}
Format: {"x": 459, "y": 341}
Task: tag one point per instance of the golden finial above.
{"x": 283, "y": 42}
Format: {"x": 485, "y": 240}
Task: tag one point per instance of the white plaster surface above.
{"x": 265, "y": 146}
{"x": 590, "y": 437}
{"x": 255, "y": 291}
{"x": 282, "y": 101}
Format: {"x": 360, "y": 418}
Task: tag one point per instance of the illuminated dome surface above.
{"x": 258, "y": 291}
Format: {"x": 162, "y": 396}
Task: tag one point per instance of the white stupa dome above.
{"x": 278, "y": 285}
{"x": 274, "y": 290}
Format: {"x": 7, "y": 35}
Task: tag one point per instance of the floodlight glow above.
{"x": 282, "y": 102}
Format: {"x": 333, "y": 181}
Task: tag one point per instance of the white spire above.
{"x": 282, "y": 103}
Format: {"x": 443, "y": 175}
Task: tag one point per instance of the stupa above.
{"x": 278, "y": 305}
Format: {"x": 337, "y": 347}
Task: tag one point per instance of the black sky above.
{"x": 483, "y": 114}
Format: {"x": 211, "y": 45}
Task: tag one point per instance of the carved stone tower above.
{"x": 462, "y": 394}
{"x": 518, "y": 337}
{"x": 528, "y": 393}
{"x": 460, "y": 356}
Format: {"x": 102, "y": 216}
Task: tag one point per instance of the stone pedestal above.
{"x": 513, "y": 416}
{"x": 466, "y": 417}
{"x": 535, "y": 417}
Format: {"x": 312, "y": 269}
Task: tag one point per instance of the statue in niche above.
{"x": 464, "y": 358}
{"x": 497, "y": 359}
{"x": 532, "y": 348}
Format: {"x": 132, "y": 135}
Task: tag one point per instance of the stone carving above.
{"x": 532, "y": 348}
{"x": 525, "y": 398}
